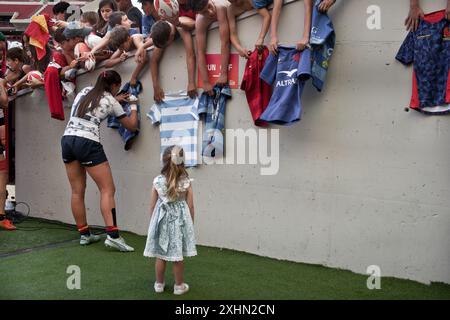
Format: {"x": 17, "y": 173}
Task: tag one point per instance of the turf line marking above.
{"x": 41, "y": 247}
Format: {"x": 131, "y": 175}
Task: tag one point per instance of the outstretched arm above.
{"x": 265, "y": 14}
{"x": 137, "y": 70}
{"x": 415, "y": 13}
{"x": 158, "y": 92}
{"x": 233, "y": 33}
{"x": 187, "y": 23}
{"x": 447, "y": 11}
{"x": 117, "y": 57}
{"x": 148, "y": 43}
{"x": 224, "y": 31}
{"x": 20, "y": 82}
{"x": 61, "y": 24}
{"x": 23, "y": 83}
{"x": 190, "y": 61}
{"x": 273, "y": 46}
{"x": 11, "y": 76}
{"x": 130, "y": 122}
{"x": 200, "y": 35}
{"x": 325, "y": 5}
{"x": 301, "y": 45}
{"x": 3, "y": 94}
{"x": 73, "y": 65}
{"x": 102, "y": 44}
{"x": 138, "y": 41}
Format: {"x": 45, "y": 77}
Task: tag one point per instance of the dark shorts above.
{"x": 259, "y": 4}
{"x": 88, "y": 152}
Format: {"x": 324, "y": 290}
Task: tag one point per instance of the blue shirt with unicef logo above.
{"x": 287, "y": 72}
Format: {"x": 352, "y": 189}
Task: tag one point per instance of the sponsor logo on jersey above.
{"x": 447, "y": 33}
{"x": 288, "y": 73}
{"x": 423, "y": 36}
{"x": 288, "y": 82}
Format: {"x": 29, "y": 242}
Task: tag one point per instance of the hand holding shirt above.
{"x": 287, "y": 72}
{"x": 322, "y": 43}
{"x": 428, "y": 49}
{"x": 177, "y": 117}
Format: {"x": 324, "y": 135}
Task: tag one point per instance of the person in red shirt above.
{"x": 4, "y": 222}
{"x": 62, "y": 62}
{"x": 3, "y": 49}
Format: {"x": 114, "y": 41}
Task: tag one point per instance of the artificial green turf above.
{"x": 35, "y": 233}
{"x": 213, "y": 274}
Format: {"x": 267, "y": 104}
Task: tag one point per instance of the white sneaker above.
{"x": 181, "y": 289}
{"x": 118, "y": 244}
{"x": 92, "y": 238}
{"x": 159, "y": 287}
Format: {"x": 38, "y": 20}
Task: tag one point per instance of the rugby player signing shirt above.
{"x": 89, "y": 125}
{"x": 428, "y": 49}
{"x": 177, "y": 117}
{"x": 287, "y": 73}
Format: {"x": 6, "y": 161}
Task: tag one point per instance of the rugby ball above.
{"x": 81, "y": 51}
{"x": 89, "y": 64}
{"x": 167, "y": 9}
{"x": 35, "y": 77}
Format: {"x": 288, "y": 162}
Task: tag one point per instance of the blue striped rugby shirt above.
{"x": 177, "y": 117}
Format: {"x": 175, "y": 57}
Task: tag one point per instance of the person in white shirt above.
{"x": 82, "y": 153}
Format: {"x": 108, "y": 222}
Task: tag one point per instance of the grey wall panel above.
{"x": 360, "y": 182}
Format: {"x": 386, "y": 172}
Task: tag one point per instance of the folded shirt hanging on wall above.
{"x": 214, "y": 109}
{"x": 287, "y": 72}
{"x": 257, "y": 92}
{"x": 53, "y": 87}
{"x": 53, "y": 92}
{"x": 177, "y": 117}
{"x": 322, "y": 43}
{"x": 428, "y": 50}
{"x": 127, "y": 136}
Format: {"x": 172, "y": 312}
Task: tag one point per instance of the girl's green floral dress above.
{"x": 171, "y": 231}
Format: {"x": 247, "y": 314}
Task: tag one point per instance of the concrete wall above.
{"x": 361, "y": 182}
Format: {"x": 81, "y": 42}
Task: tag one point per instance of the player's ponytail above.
{"x": 90, "y": 101}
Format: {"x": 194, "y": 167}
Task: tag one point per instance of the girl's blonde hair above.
{"x": 173, "y": 169}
